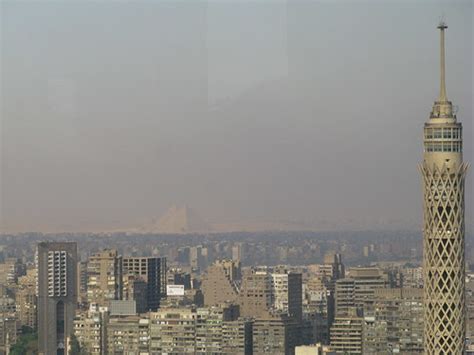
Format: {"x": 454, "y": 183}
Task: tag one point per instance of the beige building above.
{"x": 402, "y": 310}
{"x": 27, "y": 300}
{"x": 128, "y": 335}
{"x": 211, "y": 330}
{"x": 256, "y": 296}
{"x": 366, "y": 281}
{"x": 357, "y": 290}
{"x": 90, "y": 329}
{"x": 344, "y": 296}
{"x": 219, "y": 283}
{"x": 346, "y": 335}
{"x": 237, "y": 337}
{"x": 166, "y": 324}
{"x": 104, "y": 277}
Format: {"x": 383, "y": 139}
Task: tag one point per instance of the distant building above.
{"x": 237, "y": 337}
{"x": 57, "y": 295}
{"x": 322, "y": 287}
{"x": 219, "y": 282}
{"x": 346, "y": 335}
{"x": 344, "y": 296}
{"x": 135, "y": 289}
{"x": 27, "y": 300}
{"x": 287, "y": 293}
{"x": 10, "y": 270}
{"x": 82, "y": 282}
{"x": 90, "y": 329}
{"x": 153, "y": 271}
{"x": 256, "y": 295}
{"x": 358, "y": 289}
{"x": 196, "y": 257}
{"x": 375, "y": 336}
{"x": 104, "y": 277}
{"x": 128, "y": 335}
{"x": 237, "y": 252}
{"x": 177, "y": 276}
{"x": 166, "y": 324}
{"x": 275, "y": 335}
{"x": 402, "y": 310}
{"x": 366, "y": 281}
{"x": 412, "y": 277}
{"x": 8, "y": 333}
{"x": 210, "y": 330}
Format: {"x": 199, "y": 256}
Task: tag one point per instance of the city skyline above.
{"x": 270, "y": 123}
{"x": 236, "y": 178}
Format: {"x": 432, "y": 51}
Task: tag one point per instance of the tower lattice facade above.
{"x": 443, "y": 174}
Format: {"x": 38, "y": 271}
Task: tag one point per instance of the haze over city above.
{"x": 311, "y": 113}
{"x": 284, "y": 177}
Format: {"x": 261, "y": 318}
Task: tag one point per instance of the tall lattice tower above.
{"x": 443, "y": 174}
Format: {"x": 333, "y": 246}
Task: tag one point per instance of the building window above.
{"x": 428, "y": 133}
{"x": 447, "y": 133}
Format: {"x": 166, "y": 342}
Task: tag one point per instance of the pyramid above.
{"x": 179, "y": 220}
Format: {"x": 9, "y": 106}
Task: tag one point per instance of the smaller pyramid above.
{"x": 178, "y": 220}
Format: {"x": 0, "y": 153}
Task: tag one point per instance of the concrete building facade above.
{"x": 57, "y": 295}
{"x": 104, "y": 277}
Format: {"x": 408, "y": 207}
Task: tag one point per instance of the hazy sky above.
{"x": 307, "y": 111}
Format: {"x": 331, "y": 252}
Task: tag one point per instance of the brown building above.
{"x": 219, "y": 283}
{"x": 256, "y": 296}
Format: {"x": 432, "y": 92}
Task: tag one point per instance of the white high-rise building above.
{"x": 287, "y": 293}
{"x": 443, "y": 174}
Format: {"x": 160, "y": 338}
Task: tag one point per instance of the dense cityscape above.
{"x": 236, "y": 293}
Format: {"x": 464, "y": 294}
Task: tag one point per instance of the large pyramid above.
{"x": 179, "y": 220}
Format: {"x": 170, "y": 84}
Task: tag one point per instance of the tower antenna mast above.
{"x": 442, "y": 26}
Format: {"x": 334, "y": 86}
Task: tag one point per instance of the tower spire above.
{"x": 442, "y": 91}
